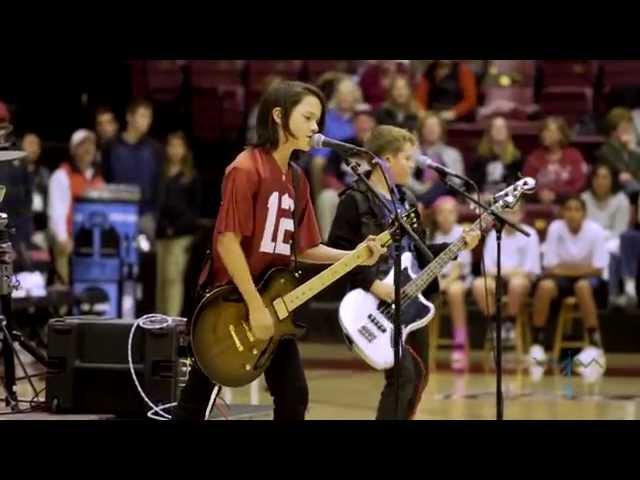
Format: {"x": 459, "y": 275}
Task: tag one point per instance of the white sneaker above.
{"x": 590, "y": 363}
{"x": 537, "y": 362}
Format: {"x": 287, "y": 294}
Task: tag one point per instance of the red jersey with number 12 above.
{"x": 258, "y": 202}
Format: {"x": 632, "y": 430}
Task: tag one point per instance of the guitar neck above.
{"x": 433, "y": 270}
{"x": 307, "y": 290}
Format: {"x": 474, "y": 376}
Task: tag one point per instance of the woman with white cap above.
{"x": 70, "y": 181}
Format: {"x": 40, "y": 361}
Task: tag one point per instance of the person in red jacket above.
{"x": 448, "y": 87}
{"x": 560, "y": 170}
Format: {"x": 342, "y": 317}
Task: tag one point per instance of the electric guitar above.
{"x": 367, "y": 322}
{"x": 222, "y": 341}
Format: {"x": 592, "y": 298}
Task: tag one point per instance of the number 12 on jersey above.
{"x": 277, "y": 202}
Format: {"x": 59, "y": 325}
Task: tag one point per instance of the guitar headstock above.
{"x": 510, "y": 196}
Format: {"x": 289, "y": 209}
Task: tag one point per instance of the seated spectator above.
{"x": 621, "y": 151}
{"x": 134, "y": 158}
{"x": 574, "y": 260}
{"x": 455, "y": 279}
{"x": 180, "y": 199}
{"x": 560, "y": 170}
{"x": 610, "y": 209}
{"x": 337, "y": 175}
{"x": 338, "y": 125}
{"x": 426, "y": 183}
{"x": 400, "y": 110}
{"x": 69, "y": 182}
{"x": 498, "y": 163}
{"x": 520, "y": 265}
{"x": 630, "y": 269}
{"x": 375, "y": 80}
{"x": 39, "y": 177}
{"x": 448, "y": 87}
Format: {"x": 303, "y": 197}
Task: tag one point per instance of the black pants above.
{"x": 285, "y": 379}
{"x": 414, "y": 375}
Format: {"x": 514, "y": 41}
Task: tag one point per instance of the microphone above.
{"x": 425, "y": 162}
{"x": 320, "y": 141}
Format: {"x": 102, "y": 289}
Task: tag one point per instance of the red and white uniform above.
{"x": 258, "y": 203}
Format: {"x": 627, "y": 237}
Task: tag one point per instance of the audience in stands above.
{"x": 338, "y": 125}
{"x": 520, "y": 267}
{"x": 39, "y": 178}
{"x": 498, "y": 162}
{"x": 448, "y": 87}
{"x": 107, "y": 126}
{"x": 134, "y": 158}
{"x": 375, "y": 80}
{"x": 180, "y": 198}
{"x": 610, "y": 209}
{"x": 559, "y": 169}
{"x": 400, "y": 109}
{"x": 621, "y": 150}
{"x": 455, "y": 278}
{"x": 336, "y": 174}
{"x": 69, "y": 182}
{"x": 574, "y": 261}
{"x": 426, "y": 183}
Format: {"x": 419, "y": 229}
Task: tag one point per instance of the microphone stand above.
{"x": 500, "y": 222}
{"x": 397, "y": 235}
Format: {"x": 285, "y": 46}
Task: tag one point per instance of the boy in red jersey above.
{"x": 254, "y": 232}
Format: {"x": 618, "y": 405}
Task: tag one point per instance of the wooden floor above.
{"x": 341, "y": 387}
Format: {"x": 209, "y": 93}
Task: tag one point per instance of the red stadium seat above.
{"x": 211, "y": 73}
{"x": 569, "y": 73}
{"x": 572, "y": 103}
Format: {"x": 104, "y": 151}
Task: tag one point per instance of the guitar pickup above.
{"x": 236, "y": 340}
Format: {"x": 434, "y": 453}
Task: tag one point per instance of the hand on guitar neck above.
{"x": 260, "y": 319}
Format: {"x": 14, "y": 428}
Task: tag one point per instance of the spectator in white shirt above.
{"x": 520, "y": 259}
{"x": 575, "y": 258}
{"x": 455, "y": 279}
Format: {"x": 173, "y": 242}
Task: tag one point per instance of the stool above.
{"x": 568, "y": 312}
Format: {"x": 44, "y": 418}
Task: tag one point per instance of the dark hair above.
{"x": 576, "y": 198}
{"x": 615, "y": 184}
{"x": 285, "y": 95}
{"x": 187, "y": 161}
{"x": 104, "y": 111}
{"x": 138, "y": 103}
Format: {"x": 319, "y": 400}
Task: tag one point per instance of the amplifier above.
{"x": 88, "y": 367}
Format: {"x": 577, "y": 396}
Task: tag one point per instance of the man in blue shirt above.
{"x": 134, "y": 158}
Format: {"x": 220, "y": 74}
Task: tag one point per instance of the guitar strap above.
{"x": 295, "y": 174}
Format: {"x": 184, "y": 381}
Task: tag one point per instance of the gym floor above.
{"x": 342, "y": 387}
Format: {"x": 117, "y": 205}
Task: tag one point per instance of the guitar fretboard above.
{"x": 421, "y": 282}
{"x": 304, "y": 292}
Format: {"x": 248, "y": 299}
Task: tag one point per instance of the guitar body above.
{"x": 221, "y": 337}
{"x": 369, "y": 329}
